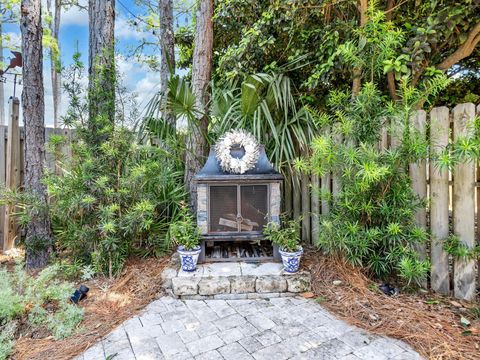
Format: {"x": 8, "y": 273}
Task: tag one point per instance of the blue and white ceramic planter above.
{"x": 189, "y": 258}
{"x": 291, "y": 260}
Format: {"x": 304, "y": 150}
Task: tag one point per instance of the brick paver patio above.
{"x": 278, "y": 328}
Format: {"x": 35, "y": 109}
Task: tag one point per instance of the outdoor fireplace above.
{"x": 232, "y": 209}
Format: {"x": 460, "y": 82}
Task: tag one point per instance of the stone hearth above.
{"x": 237, "y": 280}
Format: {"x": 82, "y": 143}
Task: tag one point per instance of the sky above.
{"x": 137, "y": 77}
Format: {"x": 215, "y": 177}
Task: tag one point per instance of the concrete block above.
{"x": 205, "y": 344}
{"x": 263, "y": 295}
{"x": 261, "y": 269}
{"x": 270, "y": 284}
{"x": 167, "y": 275}
{"x": 214, "y": 286}
{"x": 242, "y": 284}
{"x": 222, "y": 269}
{"x": 298, "y": 283}
{"x": 230, "y": 296}
{"x": 185, "y": 285}
{"x": 195, "y": 297}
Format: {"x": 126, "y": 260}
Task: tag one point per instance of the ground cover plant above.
{"x": 35, "y": 305}
{"x": 108, "y": 304}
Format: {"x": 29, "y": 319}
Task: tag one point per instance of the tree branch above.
{"x": 392, "y": 88}
{"x": 464, "y": 50}
{"x": 357, "y": 71}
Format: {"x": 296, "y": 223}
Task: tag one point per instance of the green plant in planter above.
{"x": 286, "y": 236}
{"x": 184, "y": 231}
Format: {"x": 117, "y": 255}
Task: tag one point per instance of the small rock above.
{"x": 337, "y": 282}
{"x": 308, "y": 295}
{"x": 456, "y": 303}
{"x": 464, "y": 321}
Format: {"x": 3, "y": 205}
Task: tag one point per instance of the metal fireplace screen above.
{"x": 238, "y": 208}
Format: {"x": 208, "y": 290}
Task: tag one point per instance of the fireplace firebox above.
{"x": 232, "y": 210}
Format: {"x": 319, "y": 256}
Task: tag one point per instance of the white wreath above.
{"x": 240, "y": 138}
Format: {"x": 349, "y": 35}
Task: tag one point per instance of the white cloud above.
{"x": 138, "y": 79}
{"x": 126, "y": 31}
{"x": 75, "y": 16}
{"x": 146, "y": 87}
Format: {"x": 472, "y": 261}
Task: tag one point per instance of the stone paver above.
{"x": 280, "y": 328}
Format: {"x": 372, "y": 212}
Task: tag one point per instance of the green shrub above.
{"x": 286, "y": 236}
{"x": 372, "y": 219}
{"x": 115, "y": 201}
{"x": 184, "y": 231}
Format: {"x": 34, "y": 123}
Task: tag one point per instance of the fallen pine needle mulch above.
{"x": 109, "y": 303}
{"x": 428, "y": 322}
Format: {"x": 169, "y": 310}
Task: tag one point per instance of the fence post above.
{"x": 439, "y": 201}
{"x": 325, "y": 184}
{"x": 478, "y": 203}
{"x": 336, "y": 178}
{"x": 3, "y": 129}
{"x": 296, "y": 195}
{"x": 315, "y": 207}
{"x": 12, "y": 172}
{"x": 325, "y": 189}
{"x": 306, "y": 234}
{"x": 418, "y": 176}
{"x": 464, "y": 206}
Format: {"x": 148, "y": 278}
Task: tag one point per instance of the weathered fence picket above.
{"x": 325, "y": 189}
{"x": 17, "y": 162}
{"x": 439, "y": 200}
{"x": 418, "y": 176}
{"x": 315, "y": 207}
{"x": 464, "y": 206}
{"x": 12, "y": 172}
{"x": 306, "y": 198}
{"x": 3, "y": 154}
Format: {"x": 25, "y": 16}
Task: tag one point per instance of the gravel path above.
{"x": 277, "y": 329}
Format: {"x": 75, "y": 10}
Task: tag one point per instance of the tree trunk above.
{"x": 392, "y": 86}
{"x": 55, "y": 64}
{"x": 201, "y": 74}
{"x": 38, "y": 242}
{"x": 167, "y": 43}
{"x": 101, "y": 69}
{"x": 2, "y": 87}
{"x": 357, "y": 71}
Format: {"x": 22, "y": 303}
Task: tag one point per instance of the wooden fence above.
{"x": 12, "y": 166}
{"x": 453, "y": 201}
